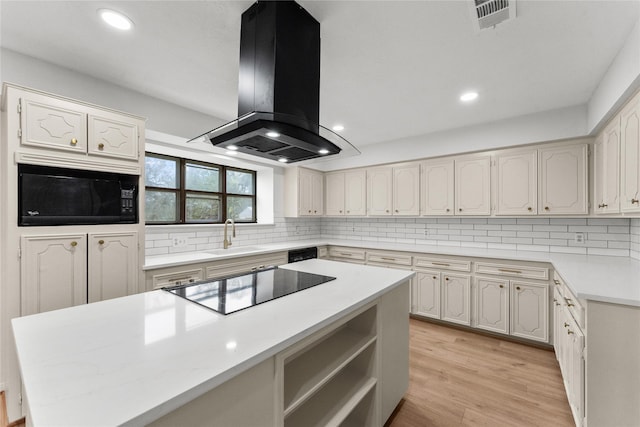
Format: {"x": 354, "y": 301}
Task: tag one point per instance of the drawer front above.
{"x": 347, "y": 253}
{"x": 568, "y": 299}
{"x": 442, "y": 264}
{"x": 243, "y": 265}
{"x": 177, "y": 278}
{"x": 322, "y": 252}
{"x": 388, "y": 259}
{"x": 525, "y": 272}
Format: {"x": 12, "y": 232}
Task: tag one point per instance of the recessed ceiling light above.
{"x": 272, "y": 134}
{"x": 338, "y": 128}
{"x": 115, "y": 19}
{"x": 323, "y": 151}
{"x": 283, "y": 160}
{"x": 468, "y": 96}
{"x": 232, "y": 147}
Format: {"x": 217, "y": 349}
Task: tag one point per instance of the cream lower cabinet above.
{"x": 425, "y": 294}
{"x": 529, "y": 310}
{"x": 53, "y": 272}
{"x": 456, "y": 298}
{"x": 492, "y": 304}
{"x": 112, "y": 265}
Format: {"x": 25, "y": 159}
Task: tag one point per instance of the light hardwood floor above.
{"x": 459, "y": 378}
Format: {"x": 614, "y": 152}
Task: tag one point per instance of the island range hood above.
{"x": 279, "y": 87}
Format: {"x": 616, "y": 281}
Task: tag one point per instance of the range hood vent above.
{"x": 279, "y": 88}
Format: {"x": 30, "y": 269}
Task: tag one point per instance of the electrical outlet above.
{"x": 179, "y": 242}
{"x": 578, "y": 238}
{"x": 426, "y": 231}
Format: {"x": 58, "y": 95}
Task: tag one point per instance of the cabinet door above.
{"x": 563, "y": 180}
{"x": 492, "y": 305}
{"x": 472, "y": 181}
{"x": 111, "y": 135}
{"x": 317, "y": 193}
{"x": 113, "y": 265}
{"x": 379, "y": 189}
{"x": 52, "y": 123}
{"x": 53, "y": 272}
{"x": 335, "y": 194}
{"x": 305, "y": 189}
{"x": 426, "y": 301}
{"x": 557, "y": 324}
{"x": 456, "y": 306}
{"x": 437, "y": 189}
{"x": 576, "y": 394}
{"x": 406, "y": 190}
{"x": 630, "y": 156}
{"x": 517, "y": 183}
{"x": 529, "y": 310}
{"x": 607, "y": 171}
{"x": 355, "y": 188}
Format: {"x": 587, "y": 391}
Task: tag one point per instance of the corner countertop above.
{"x": 590, "y": 277}
{"x": 131, "y": 360}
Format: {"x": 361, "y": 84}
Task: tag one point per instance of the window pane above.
{"x": 240, "y": 208}
{"x": 160, "y": 206}
{"x": 203, "y": 208}
{"x": 239, "y": 182}
{"x": 202, "y": 178}
{"x": 160, "y": 172}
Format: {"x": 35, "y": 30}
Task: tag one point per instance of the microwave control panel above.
{"x": 128, "y": 200}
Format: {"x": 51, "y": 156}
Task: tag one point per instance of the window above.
{"x": 187, "y": 191}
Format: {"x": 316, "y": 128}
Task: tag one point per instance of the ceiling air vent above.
{"x": 489, "y": 13}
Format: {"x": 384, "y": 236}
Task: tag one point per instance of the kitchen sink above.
{"x": 234, "y": 250}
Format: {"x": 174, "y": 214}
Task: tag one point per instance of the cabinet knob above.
{"x": 101, "y": 242}
{"x": 348, "y": 211}
{"x": 566, "y": 325}
{"x": 448, "y": 210}
{"x": 341, "y": 211}
{"x": 315, "y": 211}
{"x": 518, "y": 287}
{"x": 446, "y": 278}
{"x": 101, "y": 146}
{"x": 434, "y": 277}
{"x": 634, "y": 201}
{"x": 501, "y": 286}
{"x": 397, "y": 211}
{"x": 459, "y": 209}
{"x": 529, "y": 208}
{"x": 74, "y": 244}
{"x": 74, "y": 141}
{"x": 387, "y": 210}
{"x": 569, "y": 332}
{"x": 546, "y": 208}
{"x": 309, "y": 211}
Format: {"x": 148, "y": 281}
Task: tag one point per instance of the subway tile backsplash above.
{"x": 601, "y": 236}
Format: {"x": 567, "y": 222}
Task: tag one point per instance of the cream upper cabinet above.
{"x": 304, "y": 192}
{"x": 437, "y": 187}
{"x": 606, "y": 178}
{"x": 54, "y": 123}
{"x": 529, "y": 310}
{"x": 53, "y": 272}
{"x": 517, "y": 183}
{"x": 563, "y": 180}
{"x": 456, "y": 298}
{"x": 473, "y": 185}
{"x": 112, "y": 265}
{"x": 355, "y": 192}
{"x": 406, "y": 189}
{"x": 346, "y": 193}
{"x": 492, "y": 304}
{"x": 380, "y": 191}
{"x": 630, "y": 156}
{"x": 335, "y": 190}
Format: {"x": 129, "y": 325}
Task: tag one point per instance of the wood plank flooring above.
{"x": 459, "y": 378}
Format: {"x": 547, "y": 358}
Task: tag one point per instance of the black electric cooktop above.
{"x": 236, "y": 293}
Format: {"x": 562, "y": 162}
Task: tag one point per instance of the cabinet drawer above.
{"x": 388, "y": 259}
{"x": 347, "y": 253}
{"x": 569, "y": 300}
{"x": 322, "y": 252}
{"x": 528, "y": 272}
{"x": 177, "y": 278}
{"x": 442, "y": 264}
{"x": 245, "y": 264}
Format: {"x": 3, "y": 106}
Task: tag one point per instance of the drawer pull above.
{"x": 635, "y": 201}
{"x": 345, "y": 254}
{"x": 569, "y": 332}
{"x": 566, "y": 325}
{"x": 254, "y": 268}
{"x": 388, "y": 259}
{"x": 506, "y": 270}
{"x": 556, "y": 281}
{"x": 569, "y": 304}
{"x": 260, "y": 267}
{"x": 444, "y": 264}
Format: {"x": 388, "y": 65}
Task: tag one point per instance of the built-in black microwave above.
{"x": 60, "y": 196}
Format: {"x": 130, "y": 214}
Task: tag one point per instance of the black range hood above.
{"x": 279, "y": 87}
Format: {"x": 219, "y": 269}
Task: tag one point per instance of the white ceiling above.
{"x": 390, "y": 69}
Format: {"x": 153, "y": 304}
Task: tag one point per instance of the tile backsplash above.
{"x": 634, "y": 234}
{"x": 600, "y": 236}
{"x": 161, "y": 240}
{"x": 596, "y": 236}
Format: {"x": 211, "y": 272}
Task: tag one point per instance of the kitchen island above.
{"x": 335, "y": 352}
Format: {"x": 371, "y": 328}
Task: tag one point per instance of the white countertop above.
{"x": 131, "y": 360}
{"x": 597, "y": 278}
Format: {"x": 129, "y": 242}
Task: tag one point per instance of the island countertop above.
{"x": 131, "y": 360}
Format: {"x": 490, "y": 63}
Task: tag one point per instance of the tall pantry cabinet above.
{"x": 51, "y": 267}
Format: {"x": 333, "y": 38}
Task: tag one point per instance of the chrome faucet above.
{"x": 227, "y": 241}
